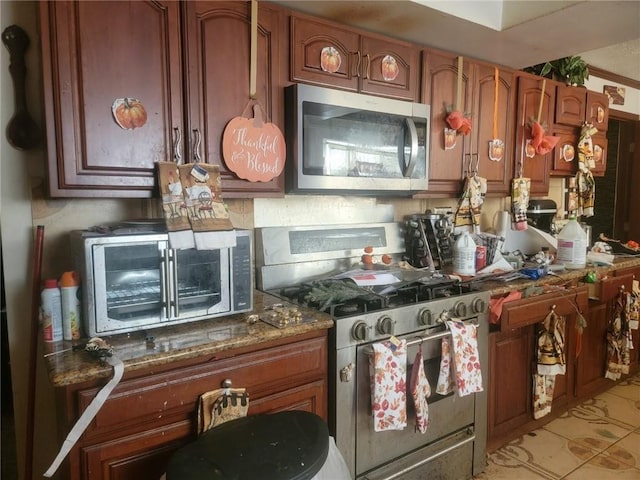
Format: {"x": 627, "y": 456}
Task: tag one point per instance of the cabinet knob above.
{"x": 226, "y": 383}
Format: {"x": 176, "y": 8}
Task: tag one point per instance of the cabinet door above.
{"x": 217, "y": 37}
{"x": 446, "y": 167}
{"x": 591, "y": 362}
{"x": 565, "y": 155}
{"x": 497, "y": 173}
{"x": 570, "y": 105}
{"x": 600, "y": 144}
{"x": 88, "y": 63}
{"x": 536, "y": 168}
{"x": 142, "y": 456}
{"x": 390, "y": 68}
{"x": 324, "y": 54}
{"x": 510, "y": 356}
{"x": 597, "y": 110}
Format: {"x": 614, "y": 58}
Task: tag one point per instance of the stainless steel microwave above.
{"x": 349, "y": 143}
{"x": 136, "y": 281}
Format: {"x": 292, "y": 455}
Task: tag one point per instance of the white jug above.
{"x": 464, "y": 255}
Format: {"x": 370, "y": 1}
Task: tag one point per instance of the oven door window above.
{"x": 132, "y": 282}
{"x": 202, "y": 280}
{"x": 351, "y": 142}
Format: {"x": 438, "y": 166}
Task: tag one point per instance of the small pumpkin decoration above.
{"x": 129, "y": 113}
{"x": 253, "y": 149}
{"x": 330, "y": 59}
{"x": 390, "y": 68}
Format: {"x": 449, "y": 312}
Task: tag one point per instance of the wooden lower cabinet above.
{"x": 512, "y": 363}
{"x": 153, "y": 412}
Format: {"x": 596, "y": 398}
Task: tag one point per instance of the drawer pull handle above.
{"x": 226, "y": 383}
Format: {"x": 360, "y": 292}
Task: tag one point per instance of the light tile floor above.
{"x": 597, "y": 440}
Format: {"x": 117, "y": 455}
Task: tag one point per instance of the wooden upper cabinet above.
{"x": 570, "y": 105}
{"x": 217, "y": 44}
{"x": 488, "y": 115}
{"x": 600, "y": 151}
{"x": 597, "y": 110}
{"x": 186, "y": 62}
{"x": 324, "y": 53}
{"x": 537, "y": 167}
{"x": 94, "y": 53}
{"x": 446, "y": 166}
{"x": 565, "y": 155}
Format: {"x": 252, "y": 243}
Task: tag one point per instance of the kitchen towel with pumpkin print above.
{"x": 388, "y": 371}
{"x": 466, "y": 359}
{"x": 207, "y": 213}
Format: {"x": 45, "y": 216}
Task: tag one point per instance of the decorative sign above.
{"x": 568, "y": 152}
{"x": 496, "y": 150}
{"x": 450, "y": 138}
{"x": 615, "y": 94}
{"x": 529, "y": 149}
{"x": 252, "y": 149}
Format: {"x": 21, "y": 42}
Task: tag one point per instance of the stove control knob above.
{"x": 359, "y": 331}
{"x": 385, "y": 325}
{"x": 478, "y": 305}
{"x": 425, "y": 317}
{"x": 460, "y": 310}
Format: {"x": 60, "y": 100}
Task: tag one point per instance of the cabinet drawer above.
{"x": 607, "y": 289}
{"x": 533, "y": 310}
{"x": 635, "y": 271}
{"x": 173, "y": 396}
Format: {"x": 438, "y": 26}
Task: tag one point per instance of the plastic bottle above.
{"x": 69, "y": 292}
{"x": 572, "y": 245}
{"x": 464, "y": 255}
{"x": 51, "y": 307}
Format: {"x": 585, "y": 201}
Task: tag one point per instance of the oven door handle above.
{"x": 421, "y": 339}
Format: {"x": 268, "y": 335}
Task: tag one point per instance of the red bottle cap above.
{"x": 51, "y": 283}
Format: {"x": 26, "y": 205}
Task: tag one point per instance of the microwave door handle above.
{"x": 413, "y": 156}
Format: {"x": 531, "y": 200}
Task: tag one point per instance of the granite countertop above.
{"x": 497, "y": 287}
{"x": 179, "y": 342}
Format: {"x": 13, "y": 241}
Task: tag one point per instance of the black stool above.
{"x": 290, "y": 445}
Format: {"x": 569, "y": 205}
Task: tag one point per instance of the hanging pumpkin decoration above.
{"x": 541, "y": 143}
{"x": 129, "y": 113}
{"x": 253, "y": 149}
{"x": 456, "y": 119}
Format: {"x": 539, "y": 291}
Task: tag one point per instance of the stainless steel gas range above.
{"x": 307, "y": 265}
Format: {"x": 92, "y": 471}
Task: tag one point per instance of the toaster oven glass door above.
{"x": 132, "y": 281}
{"x": 201, "y": 282}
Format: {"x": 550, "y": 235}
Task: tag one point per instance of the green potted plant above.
{"x": 571, "y": 70}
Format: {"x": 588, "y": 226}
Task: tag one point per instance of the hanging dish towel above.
{"x": 543, "y": 386}
{"x": 388, "y": 369}
{"x": 520, "y": 188}
{"x": 420, "y": 391}
{"x": 618, "y": 340}
{"x": 586, "y": 191}
{"x": 470, "y": 203}
{"x": 445, "y": 377}
{"x": 466, "y": 360}
{"x": 551, "y": 361}
{"x": 221, "y": 405}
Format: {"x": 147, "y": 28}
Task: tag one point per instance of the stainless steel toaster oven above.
{"x": 136, "y": 281}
